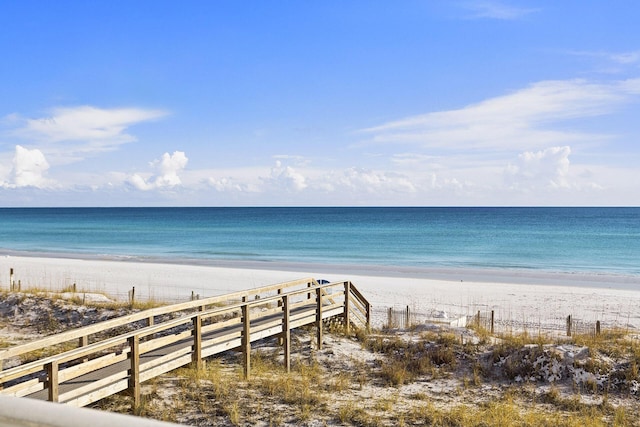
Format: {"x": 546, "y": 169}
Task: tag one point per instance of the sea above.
{"x": 552, "y": 239}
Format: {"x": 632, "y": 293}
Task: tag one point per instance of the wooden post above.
{"x": 83, "y": 342}
{"x": 196, "y": 356}
{"x": 492, "y": 321}
{"x": 11, "y": 279}
{"x": 407, "y": 322}
{"x": 347, "y": 308}
{"x": 390, "y": 318}
{"x": 597, "y": 327}
{"x": 478, "y": 319}
{"x": 280, "y": 304}
{"x": 286, "y": 333}
{"x": 134, "y": 371}
{"x": 52, "y": 373}
{"x": 132, "y": 296}
{"x": 319, "y": 317}
{"x": 246, "y": 341}
{"x": 75, "y": 288}
{"x": 569, "y": 325}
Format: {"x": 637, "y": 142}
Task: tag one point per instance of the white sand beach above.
{"x": 532, "y": 300}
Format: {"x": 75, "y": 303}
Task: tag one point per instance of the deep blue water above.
{"x": 599, "y": 240}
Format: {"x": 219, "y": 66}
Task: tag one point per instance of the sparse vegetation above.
{"x": 389, "y": 378}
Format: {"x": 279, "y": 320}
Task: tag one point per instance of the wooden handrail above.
{"x": 315, "y": 301}
{"x": 141, "y": 315}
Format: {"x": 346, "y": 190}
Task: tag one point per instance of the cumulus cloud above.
{"x": 29, "y": 169}
{"x": 547, "y": 168}
{"x": 285, "y": 178}
{"x": 169, "y": 167}
{"x": 522, "y": 120}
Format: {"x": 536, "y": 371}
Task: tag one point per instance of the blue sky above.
{"x": 231, "y": 103}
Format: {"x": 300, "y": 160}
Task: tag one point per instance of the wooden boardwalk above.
{"x": 87, "y": 364}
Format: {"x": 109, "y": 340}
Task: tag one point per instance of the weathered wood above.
{"x": 76, "y": 371}
{"x": 258, "y": 320}
{"x": 197, "y": 342}
{"x": 124, "y": 320}
{"x": 319, "y": 318}
{"x": 492, "y": 320}
{"x": 134, "y": 372}
{"x": 246, "y": 341}
{"x": 286, "y": 333}
{"x": 347, "y": 308}
{"x": 52, "y": 381}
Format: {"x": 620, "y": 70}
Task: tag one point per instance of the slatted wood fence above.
{"x": 105, "y": 362}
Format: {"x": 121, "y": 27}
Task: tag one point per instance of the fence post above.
{"x": 196, "y": 357}
{"x": 134, "y": 372}
{"x": 52, "y": 373}
{"x": 83, "y": 342}
{"x": 132, "y": 296}
{"x": 347, "y": 296}
{"x": 407, "y": 322}
{"x": 286, "y": 333}
{"x": 319, "y": 317}
{"x": 478, "y": 319}
{"x": 569, "y": 325}
{"x": 390, "y": 318}
{"x": 280, "y": 339}
{"x": 492, "y": 321}
{"x": 246, "y": 341}
{"x": 11, "y": 279}
{"x": 597, "y": 327}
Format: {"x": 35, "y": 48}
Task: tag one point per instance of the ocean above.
{"x": 586, "y": 240}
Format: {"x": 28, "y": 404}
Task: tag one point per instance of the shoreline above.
{"x": 541, "y": 300}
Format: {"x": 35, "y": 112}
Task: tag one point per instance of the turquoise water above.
{"x": 598, "y": 240}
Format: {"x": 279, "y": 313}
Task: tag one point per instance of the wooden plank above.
{"x": 219, "y": 348}
{"x": 78, "y": 398}
{"x": 157, "y": 343}
{"x": 76, "y": 371}
{"x": 211, "y": 341}
{"x": 24, "y": 388}
{"x": 165, "y": 367}
{"x": 221, "y": 325}
{"x": 158, "y": 361}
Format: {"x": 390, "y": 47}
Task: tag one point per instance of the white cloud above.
{"x": 29, "y": 169}
{"x": 285, "y": 178}
{"x": 547, "y": 168}
{"x": 362, "y": 180}
{"x": 83, "y": 130}
{"x": 522, "y": 120}
{"x": 169, "y": 167}
{"x": 497, "y": 10}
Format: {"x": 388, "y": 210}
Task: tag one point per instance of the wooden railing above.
{"x": 94, "y": 370}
